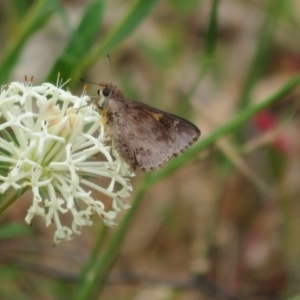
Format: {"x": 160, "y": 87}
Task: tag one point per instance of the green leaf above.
{"x": 212, "y": 33}
{"x": 35, "y": 18}
{"x": 80, "y": 43}
{"x": 123, "y": 29}
{"x": 12, "y": 230}
{"x": 260, "y": 59}
{"x": 19, "y": 8}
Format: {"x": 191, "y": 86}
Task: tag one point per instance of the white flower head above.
{"x": 48, "y": 142}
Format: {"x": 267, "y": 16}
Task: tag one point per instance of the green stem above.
{"x": 9, "y": 197}
{"x": 96, "y": 277}
{"x": 38, "y": 14}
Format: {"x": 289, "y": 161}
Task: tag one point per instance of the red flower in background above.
{"x": 266, "y": 121}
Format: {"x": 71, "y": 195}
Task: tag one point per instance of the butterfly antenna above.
{"x": 109, "y": 62}
{"x": 87, "y": 81}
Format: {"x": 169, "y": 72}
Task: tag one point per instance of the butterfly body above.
{"x": 144, "y": 136}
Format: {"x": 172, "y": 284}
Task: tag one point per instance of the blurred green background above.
{"x": 219, "y": 222}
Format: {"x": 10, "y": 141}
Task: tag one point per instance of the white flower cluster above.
{"x": 48, "y": 142}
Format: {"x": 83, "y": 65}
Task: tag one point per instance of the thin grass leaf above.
{"x": 260, "y": 59}
{"x": 10, "y": 196}
{"x": 212, "y": 32}
{"x": 62, "y": 13}
{"x": 208, "y": 59}
{"x": 80, "y": 43}
{"x": 138, "y": 12}
{"x": 19, "y": 8}
{"x": 35, "y": 18}
{"x": 12, "y": 230}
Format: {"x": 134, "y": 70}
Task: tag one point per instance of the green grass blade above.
{"x": 80, "y": 42}
{"x": 260, "y": 58}
{"x": 10, "y": 196}
{"x": 35, "y": 18}
{"x": 12, "y": 230}
{"x": 212, "y": 33}
{"x": 207, "y": 60}
{"x": 19, "y": 8}
{"x": 132, "y": 19}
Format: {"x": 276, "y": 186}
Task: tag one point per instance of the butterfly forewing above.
{"x": 147, "y": 137}
{"x": 181, "y": 132}
{"x": 147, "y": 145}
{"x": 144, "y": 136}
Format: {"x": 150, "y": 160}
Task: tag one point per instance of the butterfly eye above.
{"x": 106, "y": 92}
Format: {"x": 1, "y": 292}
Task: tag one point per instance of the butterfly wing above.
{"x": 181, "y": 132}
{"x": 141, "y": 140}
{"x": 147, "y": 137}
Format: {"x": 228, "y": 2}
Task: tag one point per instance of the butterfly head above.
{"x": 106, "y": 92}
